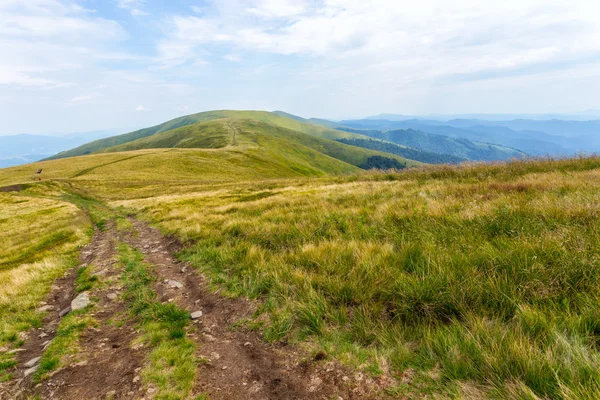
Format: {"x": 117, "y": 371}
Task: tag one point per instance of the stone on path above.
{"x": 196, "y": 314}
{"x": 32, "y": 370}
{"x": 175, "y": 284}
{"x": 64, "y": 312}
{"x": 111, "y": 296}
{"x": 81, "y": 301}
{"x": 32, "y": 362}
{"x": 45, "y": 308}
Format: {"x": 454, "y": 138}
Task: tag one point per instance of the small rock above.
{"x": 224, "y": 368}
{"x": 111, "y": 296}
{"x": 80, "y": 302}
{"x": 175, "y": 284}
{"x": 183, "y": 270}
{"x": 45, "y": 308}
{"x": 146, "y": 246}
{"x": 13, "y": 351}
{"x": 345, "y": 379}
{"x": 111, "y": 394}
{"x": 196, "y": 314}
{"x": 64, "y": 312}
{"x": 210, "y": 338}
{"x": 31, "y": 370}
{"x": 32, "y": 362}
{"x": 197, "y": 301}
{"x": 215, "y": 356}
{"x": 136, "y": 379}
{"x": 247, "y": 344}
{"x": 43, "y": 335}
{"x": 45, "y": 344}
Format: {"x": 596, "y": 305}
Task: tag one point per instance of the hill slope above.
{"x": 245, "y": 134}
{"x": 261, "y": 116}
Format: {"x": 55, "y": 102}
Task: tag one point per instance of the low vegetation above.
{"x": 172, "y": 364}
{"x": 468, "y": 281}
{"x": 38, "y": 244}
{"x": 478, "y": 279}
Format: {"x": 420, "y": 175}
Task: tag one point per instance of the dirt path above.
{"x": 237, "y": 365}
{"x": 240, "y": 364}
{"x": 105, "y": 365}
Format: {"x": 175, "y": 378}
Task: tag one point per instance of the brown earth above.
{"x": 239, "y": 363}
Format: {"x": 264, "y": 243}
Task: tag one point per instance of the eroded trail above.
{"x": 106, "y": 361}
{"x": 101, "y": 362}
{"x": 239, "y": 364}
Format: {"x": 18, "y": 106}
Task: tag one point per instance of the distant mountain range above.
{"x": 23, "y": 149}
{"x": 534, "y": 137}
{"x": 424, "y": 140}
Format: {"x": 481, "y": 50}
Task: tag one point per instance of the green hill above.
{"x": 260, "y": 116}
{"x": 246, "y": 134}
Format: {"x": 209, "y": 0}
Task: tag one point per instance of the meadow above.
{"x": 471, "y": 281}
{"x": 39, "y": 242}
{"x": 476, "y": 281}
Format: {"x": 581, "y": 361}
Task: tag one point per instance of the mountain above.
{"x": 229, "y": 143}
{"x": 261, "y": 116}
{"x": 25, "y": 148}
{"x": 456, "y": 147}
{"x": 404, "y": 151}
{"x": 533, "y": 142}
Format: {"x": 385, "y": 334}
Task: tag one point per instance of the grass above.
{"x": 260, "y": 116}
{"x": 171, "y": 365}
{"x": 84, "y": 280}
{"x": 63, "y": 349}
{"x": 479, "y": 278}
{"x": 39, "y": 243}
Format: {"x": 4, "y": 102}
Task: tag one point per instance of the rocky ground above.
{"x": 236, "y": 363}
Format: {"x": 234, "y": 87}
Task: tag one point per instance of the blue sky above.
{"x": 81, "y": 65}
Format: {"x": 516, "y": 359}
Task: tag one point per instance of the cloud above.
{"x": 419, "y": 41}
{"x": 135, "y": 7}
{"x": 44, "y": 39}
{"x": 82, "y": 98}
{"x": 141, "y": 108}
{"x": 232, "y": 57}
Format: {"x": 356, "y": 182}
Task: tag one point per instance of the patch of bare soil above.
{"x": 12, "y": 188}
{"x": 105, "y": 365}
{"x": 240, "y": 364}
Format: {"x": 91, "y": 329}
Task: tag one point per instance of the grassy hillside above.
{"x": 468, "y": 282}
{"x": 462, "y": 282}
{"x": 249, "y": 134}
{"x": 261, "y": 116}
{"x": 38, "y": 243}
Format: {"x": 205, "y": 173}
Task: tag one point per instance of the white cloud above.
{"x": 135, "y": 7}
{"x": 43, "y": 40}
{"x": 141, "y": 108}
{"x": 425, "y": 40}
{"x": 82, "y": 98}
{"x": 232, "y": 57}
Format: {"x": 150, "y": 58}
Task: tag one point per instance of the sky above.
{"x": 83, "y": 65}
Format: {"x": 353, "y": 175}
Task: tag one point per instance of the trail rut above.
{"x": 236, "y": 363}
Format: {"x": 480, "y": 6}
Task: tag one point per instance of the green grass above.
{"x": 171, "y": 365}
{"x": 480, "y": 278}
{"x": 63, "y": 349}
{"x": 84, "y": 280}
{"x": 260, "y": 116}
